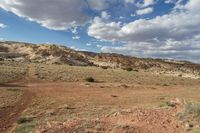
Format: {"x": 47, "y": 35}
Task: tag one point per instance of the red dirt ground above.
{"x": 131, "y": 120}
{"x": 10, "y": 114}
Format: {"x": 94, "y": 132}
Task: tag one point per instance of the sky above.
{"x": 168, "y": 29}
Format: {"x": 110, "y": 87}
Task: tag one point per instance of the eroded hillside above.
{"x": 54, "y": 54}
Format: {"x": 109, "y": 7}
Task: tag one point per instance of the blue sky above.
{"x": 142, "y": 28}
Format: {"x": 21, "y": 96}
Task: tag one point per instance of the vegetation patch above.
{"x": 128, "y": 69}
{"x": 192, "y": 109}
{"x": 168, "y": 105}
{"x": 191, "y": 117}
{"x": 165, "y": 85}
{"x": 90, "y": 79}
{"x": 23, "y": 120}
{"x": 104, "y": 67}
{"x": 25, "y": 128}
{"x": 13, "y": 89}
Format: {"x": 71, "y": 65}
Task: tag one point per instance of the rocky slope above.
{"x": 54, "y": 54}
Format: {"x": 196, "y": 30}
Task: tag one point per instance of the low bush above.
{"x": 167, "y": 105}
{"x": 104, "y": 67}
{"x": 193, "y": 108}
{"x": 128, "y": 69}
{"x": 165, "y": 85}
{"x": 191, "y": 113}
{"x": 89, "y": 79}
{"x": 22, "y": 120}
{"x": 13, "y": 89}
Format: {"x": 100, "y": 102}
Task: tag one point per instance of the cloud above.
{"x": 54, "y": 14}
{"x": 148, "y": 2}
{"x": 191, "y": 55}
{"x": 104, "y": 31}
{"x": 145, "y": 3}
{"x": 129, "y": 1}
{"x": 174, "y": 35}
{"x": 2, "y": 25}
{"x": 76, "y": 37}
{"x": 99, "y": 46}
{"x": 141, "y": 3}
{"x": 77, "y": 49}
{"x": 74, "y": 30}
{"x": 144, "y": 11}
{"x": 105, "y": 15}
{"x": 170, "y": 1}
{"x": 2, "y": 39}
{"x": 88, "y": 44}
{"x": 98, "y": 4}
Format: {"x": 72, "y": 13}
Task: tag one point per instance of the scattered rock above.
{"x": 124, "y": 86}
{"x": 115, "y": 96}
{"x": 51, "y": 112}
{"x": 127, "y": 110}
{"x": 189, "y": 126}
{"x": 116, "y": 114}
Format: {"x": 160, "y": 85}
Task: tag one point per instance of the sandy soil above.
{"x": 96, "y": 107}
{"x": 10, "y": 114}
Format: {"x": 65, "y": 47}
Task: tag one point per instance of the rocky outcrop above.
{"x": 55, "y": 54}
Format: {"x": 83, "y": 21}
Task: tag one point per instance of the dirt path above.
{"x": 131, "y": 120}
{"x": 10, "y": 114}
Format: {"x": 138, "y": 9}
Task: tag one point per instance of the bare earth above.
{"x": 59, "y": 107}
{"x": 9, "y": 114}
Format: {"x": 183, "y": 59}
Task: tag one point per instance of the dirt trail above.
{"x": 31, "y": 77}
{"x": 10, "y": 114}
{"x": 131, "y": 120}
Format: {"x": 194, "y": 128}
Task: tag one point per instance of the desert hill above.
{"x": 50, "y": 89}
{"x": 55, "y": 54}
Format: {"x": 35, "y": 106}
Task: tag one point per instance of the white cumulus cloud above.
{"x": 148, "y": 2}
{"x": 76, "y": 37}
{"x": 88, "y": 44}
{"x": 145, "y": 3}
{"x": 174, "y": 35}
{"x": 105, "y": 15}
{"x": 98, "y": 4}
{"x": 144, "y": 11}
{"x": 129, "y": 1}
{"x": 2, "y": 25}
{"x": 54, "y": 14}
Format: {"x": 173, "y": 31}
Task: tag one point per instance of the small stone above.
{"x": 116, "y": 114}
{"x": 189, "y": 126}
{"x": 127, "y": 110}
{"x": 49, "y": 124}
{"x": 50, "y": 112}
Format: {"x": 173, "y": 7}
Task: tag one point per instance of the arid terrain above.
{"x": 53, "y": 89}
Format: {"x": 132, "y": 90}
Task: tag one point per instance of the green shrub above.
{"x": 167, "y": 105}
{"x": 22, "y": 120}
{"x": 193, "y": 108}
{"x": 89, "y": 79}
{"x": 25, "y": 128}
{"x": 128, "y": 69}
{"x": 104, "y": 67}
{"x": 13, "y": 89}
{"x": 191, "y": 112}
{"x": 136, "y": 70}
{"x": 165, "y": 85}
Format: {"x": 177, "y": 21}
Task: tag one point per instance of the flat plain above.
{"x": 42, "y": 98}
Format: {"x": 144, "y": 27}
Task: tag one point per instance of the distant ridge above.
{"x": 56, "y": 54}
